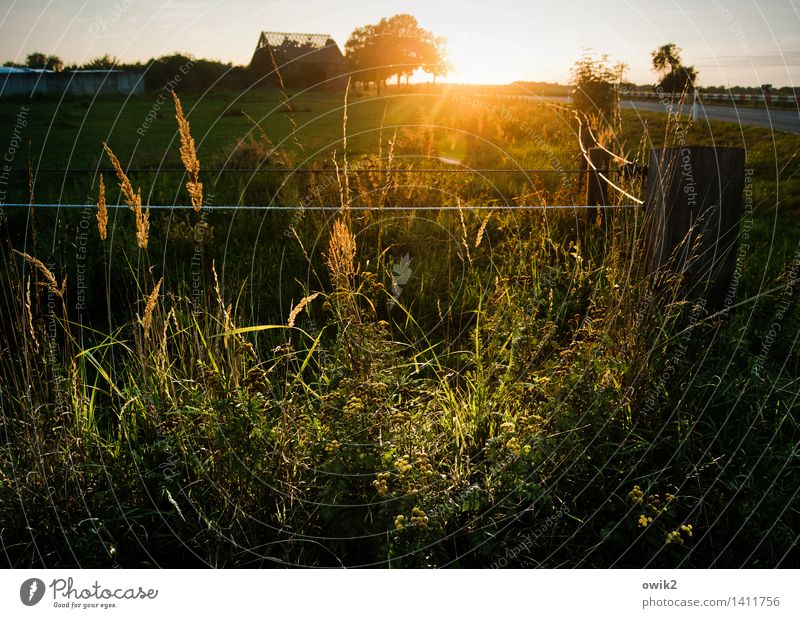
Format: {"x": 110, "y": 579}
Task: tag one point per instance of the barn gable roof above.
{"x": 300, "y": 47}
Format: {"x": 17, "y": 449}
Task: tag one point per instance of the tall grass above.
{"x": 431, "y": 390}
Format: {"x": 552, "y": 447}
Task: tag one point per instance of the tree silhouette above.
{"x": 102, "y": 62}
{"x": 395, "y": 46}
{"x": 675, "y": 77}
{"x": 596, "y": 83}
{"x": 38, "y": 60}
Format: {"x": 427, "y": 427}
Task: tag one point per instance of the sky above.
{"x": 731, "y": 42}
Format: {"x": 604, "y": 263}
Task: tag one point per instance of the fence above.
{"x": 716, "y": 96}
{"x": 692, "y": 203}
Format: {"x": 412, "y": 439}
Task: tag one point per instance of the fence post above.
{"x": 692, "y": 212}
{"x": 596, "y": 187}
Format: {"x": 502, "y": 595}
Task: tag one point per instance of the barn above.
{"x": 16, "y": 81}
{"x": 303, "y": 60}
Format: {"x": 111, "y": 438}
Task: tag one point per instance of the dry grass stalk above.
{"x": 150, "y": 305}
{"x": 300, "y": 306}
{"x": 189, "y": 156}
{"x": 133, "y": 200}
{"x": 50, "y": 279}
{"x": 29, "y": 312}
{"x": 482, "y": 230}
{"x": 102, "y": 211}
{"x": 344, "y": 147}
{"x": 341, "y": 254}
{"x": 170, "y": 315}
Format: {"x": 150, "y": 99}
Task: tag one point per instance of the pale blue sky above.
{"x": 731, "y": 41}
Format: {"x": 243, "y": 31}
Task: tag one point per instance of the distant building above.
{"x": 304, "y": 61}
{"x": 15, "y": 81}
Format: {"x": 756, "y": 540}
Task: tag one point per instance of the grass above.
{"x": 373, "y": 387}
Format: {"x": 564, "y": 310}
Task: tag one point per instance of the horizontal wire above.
{"x": 274, "y": 170}
{"x": 329, "y": 208}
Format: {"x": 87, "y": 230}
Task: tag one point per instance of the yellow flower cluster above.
{"x": 654, "y": 503}
{"x": 687, "y": 528}
{"x": 507, "y": 427}
{"x": 425, "y": 468}
{"x": 644, "y": 520}
{"x": 514, "y": 446}
{"x": 332, "y": 446}
{"x": 419, "y": 518}
{"x": 401, "y": 417}
{"x": 402, "y": 464}
{"x": 674, "y": 538}
{"x": 399, "y": 522}
{"x": 636, "y": 495}
{"x": 354, "y": 407}
{"x": 380, "y": 484}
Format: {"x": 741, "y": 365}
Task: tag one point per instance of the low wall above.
{"x": 75, "y": 83}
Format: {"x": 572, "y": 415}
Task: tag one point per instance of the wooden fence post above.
{"x": 692, "y": 212}
{"x": 596, "y": 187}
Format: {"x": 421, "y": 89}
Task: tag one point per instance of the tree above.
{"x": 102, "y": 62}
{"x": 435, "y": 60}
{"x": 38, "y": 60}
{"x": 675, "y": 77}
{"x": 596, "y": 81}
{"x": 394, "y": 46}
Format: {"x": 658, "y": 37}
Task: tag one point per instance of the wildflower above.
{"x": 636, "y": 495}
{"x": 513, "y": 445}
{"x": 507, "y": 426}
{"x": 354, "y": 406}
{"x": 674, "y": 538}
{"x": 419, "y": 518}
{"x": 526, "y": 449}
{"x": 380, "y": 483}
{"x": 671, "y": 498}
{"x": 644, "y": 520}
{"x": 424, "y": 465}
{"x": 399, "y": 522}
{"x": 687, "y": 528}
{"x": 332, "y": 446}
{"x": 402, "y": 464}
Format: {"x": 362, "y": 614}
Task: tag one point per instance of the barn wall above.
{"x": 71, "y": 83}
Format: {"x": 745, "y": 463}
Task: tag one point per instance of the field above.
{"x": 352, "y": 382}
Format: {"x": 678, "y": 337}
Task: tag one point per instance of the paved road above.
{"x": 776, "y": 119}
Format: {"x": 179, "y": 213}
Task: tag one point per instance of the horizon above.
{"x": 733, "y": 43}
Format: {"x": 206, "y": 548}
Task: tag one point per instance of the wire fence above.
{"x": 279, "y": 208}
